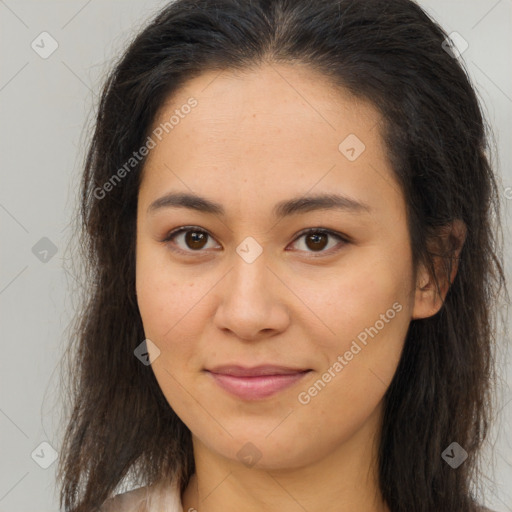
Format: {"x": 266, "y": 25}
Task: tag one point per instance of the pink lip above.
{"x": 255, "y": 371}
{"x": 255, "y": 383}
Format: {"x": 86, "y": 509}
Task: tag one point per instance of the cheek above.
{"x": 366, "y": 308}
{"x": 355, "y": 295}
{"x": 161, "y": 295}
{"x": 368, "y": 316}
{"x": 173, "y": 306}
{"x": 167, "y": 308}
{"x": 165, "y": 305}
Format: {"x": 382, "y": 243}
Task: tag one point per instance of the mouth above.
{"x": 258, "y": 382}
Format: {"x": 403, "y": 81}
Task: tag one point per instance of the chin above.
{"x": 260, "y": 450}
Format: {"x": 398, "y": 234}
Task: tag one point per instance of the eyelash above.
{"x": 174, "y": 233}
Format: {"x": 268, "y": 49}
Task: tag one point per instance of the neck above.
{"x": 344, "y": 481}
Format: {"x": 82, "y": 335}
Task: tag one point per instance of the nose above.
{"x": 252, "y": 301}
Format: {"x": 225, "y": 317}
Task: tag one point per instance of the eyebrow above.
{"x": 282, "y": 209}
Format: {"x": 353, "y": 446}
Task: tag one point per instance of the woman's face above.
{"x": 245, "y": 286}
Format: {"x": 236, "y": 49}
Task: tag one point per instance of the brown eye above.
{"x": 195, "y": 239}
{"x": 316, "y": 240}
{"x": 188, "y": 239}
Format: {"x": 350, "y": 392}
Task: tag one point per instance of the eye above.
{"x": 317, "y": 239}
{"x": 195, "y": 239}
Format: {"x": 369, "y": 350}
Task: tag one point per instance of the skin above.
{"x": 255, "y": 139}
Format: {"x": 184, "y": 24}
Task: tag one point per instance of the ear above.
{"x": 445, "y": 247}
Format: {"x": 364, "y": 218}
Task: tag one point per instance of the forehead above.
{"x": 273, "y": 131}
{"x": 266, "y": 101}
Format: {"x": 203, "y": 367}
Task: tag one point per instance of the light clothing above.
{"x": 161, "y": 497}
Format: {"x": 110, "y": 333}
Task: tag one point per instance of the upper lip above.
{"x": 255, "y": 371}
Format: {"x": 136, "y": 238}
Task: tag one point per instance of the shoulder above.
{"x": 159, "y": 497}
{"x": 135, "y": 500}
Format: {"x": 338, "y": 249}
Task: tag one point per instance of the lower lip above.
{"x": 256, "y": 388}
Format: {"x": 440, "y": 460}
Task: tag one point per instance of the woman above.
{"x": 287, "y": 211}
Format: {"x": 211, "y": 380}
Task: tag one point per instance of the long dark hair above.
{"x": 395, "y": 56}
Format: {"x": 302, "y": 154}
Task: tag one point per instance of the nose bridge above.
{"x": 249, "y": 306}
{"x": 250, "y": 266}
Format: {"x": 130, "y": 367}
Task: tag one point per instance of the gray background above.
{"x": 45, "y": 115}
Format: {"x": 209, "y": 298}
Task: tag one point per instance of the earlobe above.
{"x": 444, "y": 248}
{"x": 427, "y": 301}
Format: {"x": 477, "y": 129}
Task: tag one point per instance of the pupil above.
{"x": 193, "y": 237}
{"x": 315, "y": 238}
